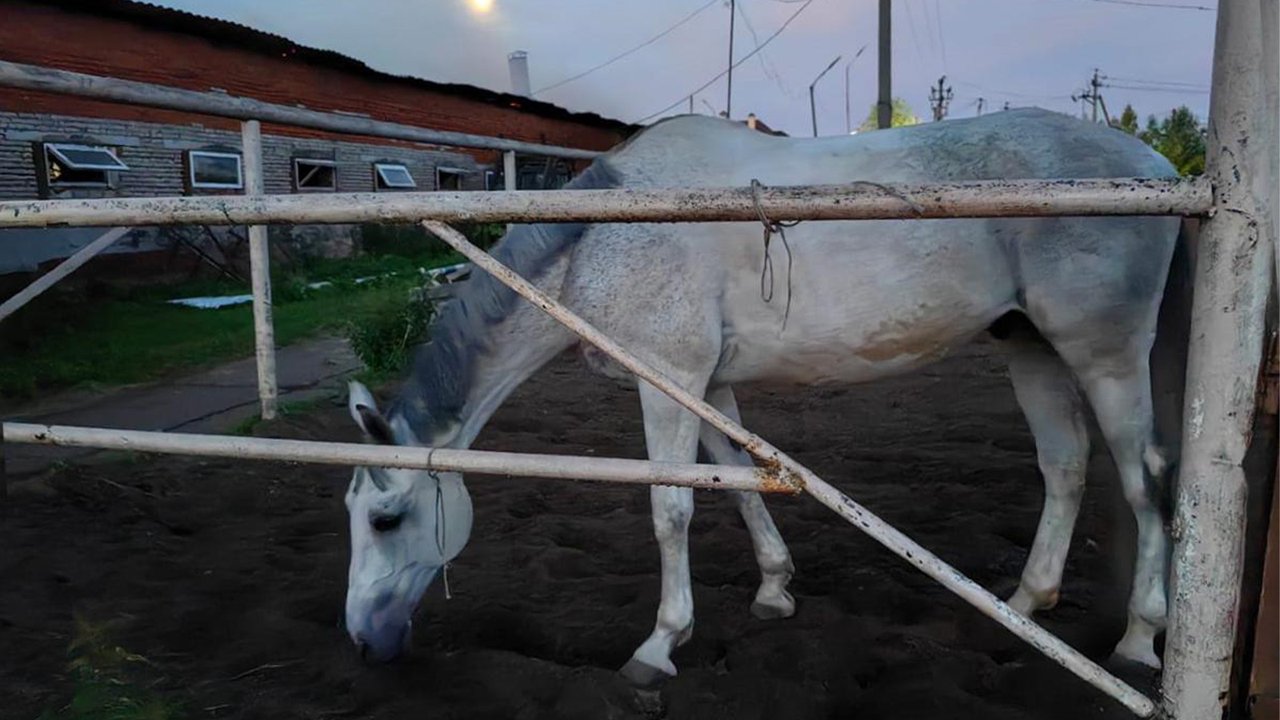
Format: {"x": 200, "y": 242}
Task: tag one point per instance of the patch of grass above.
{"x": 113, "y": 336}
{"x": 107, "y": 680}
{"x": 53, "y": 344}
{"x": 293, "y": 408}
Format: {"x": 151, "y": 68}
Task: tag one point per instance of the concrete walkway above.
{"x": 212, "y": 401}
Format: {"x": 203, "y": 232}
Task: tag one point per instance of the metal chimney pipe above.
{"x": 518, "y": 66}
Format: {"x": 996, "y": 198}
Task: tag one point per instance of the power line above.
{"x": 744, "y": 58}
{"x": 928, "y": 29}
{"x": 1140, "y": 88}
{"x": 915, "y": 39}
{"x": 1163, "y": 83}
{"x": 942, "y": 40}
{"x": 1174, "y": 6}
{"x": 766, "y": 65}
{"x": 1009, "y": 93}
{"x": 618, "y": 57}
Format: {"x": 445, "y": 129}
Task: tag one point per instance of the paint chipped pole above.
{"x": 260, "y": 273}
{"x": 1233, "y": 271}
{"x": 853, "y": 201}
{"x": 789, "y": 472}
{"x": 614, "y": 470}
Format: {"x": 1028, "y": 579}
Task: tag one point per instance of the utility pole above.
{"x": 728, "y": 103}
{"x": 690, "y": 104}
{"x": 847, "y": 126}
{"x": 940, "y": 98}
{"x": 1091, "y": 95}
{"x": 813, "y": 107}
{"x": 1093, "y": 84}
{"x": 884, "y": 105}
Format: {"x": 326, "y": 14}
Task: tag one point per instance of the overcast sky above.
{"x": 1026, "y": 52}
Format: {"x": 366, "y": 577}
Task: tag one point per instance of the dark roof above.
{"x": 249, "y": 38}
{"x": 762, "y": 127}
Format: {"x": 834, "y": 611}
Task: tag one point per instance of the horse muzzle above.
{"x": 383, "y": 643}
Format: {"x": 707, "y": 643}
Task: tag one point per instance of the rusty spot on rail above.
{"x": 774, "y": 478}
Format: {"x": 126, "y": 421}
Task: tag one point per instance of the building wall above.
{"x": 155, "y": 154}
{"x": 155, "y": 45}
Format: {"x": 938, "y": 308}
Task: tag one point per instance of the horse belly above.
{"x": 850, "y": 354}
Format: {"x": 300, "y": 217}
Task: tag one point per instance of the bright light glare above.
{"x": 480, "y": 7}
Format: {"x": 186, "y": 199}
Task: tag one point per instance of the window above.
{"x": 314, "y": 175}
{"x": 68, "y": 166}
{"x": 215, "y": 170}
{"x": 392, "y": 176}
{"x": 493, "y": 180}
{"x": 449, "y": 178}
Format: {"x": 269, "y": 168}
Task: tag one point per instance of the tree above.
{"x": 1180, "y": 138}
{"x": 1128, "y": 121}
{"x": 902, "y": 115}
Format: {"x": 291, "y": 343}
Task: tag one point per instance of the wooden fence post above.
{"x": 260, "y": 274}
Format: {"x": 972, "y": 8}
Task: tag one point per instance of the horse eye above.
{"x": 386, "y": 523}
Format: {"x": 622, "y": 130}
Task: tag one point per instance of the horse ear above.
{"x": 364, "y": 410}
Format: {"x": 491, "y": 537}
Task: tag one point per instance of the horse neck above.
{"x": 504, "y": 369}
{"x": 487, "y": 370}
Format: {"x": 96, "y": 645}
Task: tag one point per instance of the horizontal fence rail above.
{"x": 32, "y": 77}
{"x": 615, "y": 470}
{"x": 857, "y": 201}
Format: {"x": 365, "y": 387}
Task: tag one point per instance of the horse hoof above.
{"x": 1140, "y": 674}
{"x": 1027, "y": 604}
{"x": 775, "y": 611}
{"x": 1143, "y": 663}
{"x": 643, "y": 675}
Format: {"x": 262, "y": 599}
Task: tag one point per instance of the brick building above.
{"x": 58, "y": 146}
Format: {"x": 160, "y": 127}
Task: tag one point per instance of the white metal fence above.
{"x": 1236, "y": 200}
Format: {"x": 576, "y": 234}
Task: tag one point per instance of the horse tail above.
{"x": 1169, "y": 369}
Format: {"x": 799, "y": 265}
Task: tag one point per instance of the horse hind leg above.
{"x": 671, "y": 434}
{"x": 1119, "y": 388}
{"x": 772, "y": 601}
{"x": 1051, "y": 402}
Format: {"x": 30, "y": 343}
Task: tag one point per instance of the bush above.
{"x": 413, "y": 241}
{"x": 385, "y": 341}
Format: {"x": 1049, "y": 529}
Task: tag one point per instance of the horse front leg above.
{"x": 671, "y": 434}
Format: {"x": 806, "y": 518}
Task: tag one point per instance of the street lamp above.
{"x": 813, "y": 108}
{"x": 848, "y": 123}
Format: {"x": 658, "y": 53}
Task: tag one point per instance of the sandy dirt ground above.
{"x": 228, "y": 577}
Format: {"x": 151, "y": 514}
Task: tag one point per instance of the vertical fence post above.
{"x": 509, "y": 173}
{"x": 260, "y": 273}
{"x": 509, "y": 170}
{"x": 1231, "y": 291}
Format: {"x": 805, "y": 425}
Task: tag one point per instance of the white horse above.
{"x": 1073, "y": 302}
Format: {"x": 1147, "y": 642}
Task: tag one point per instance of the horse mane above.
{"x": 433, "y": 396}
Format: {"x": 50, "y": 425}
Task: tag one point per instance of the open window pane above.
{"x": 215, "y": 170}
{"x": 85, "y": 157}
{"x": 314, "y": 174}
{"x": 393, "y": 176}
{"x": 448, "y": 179}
